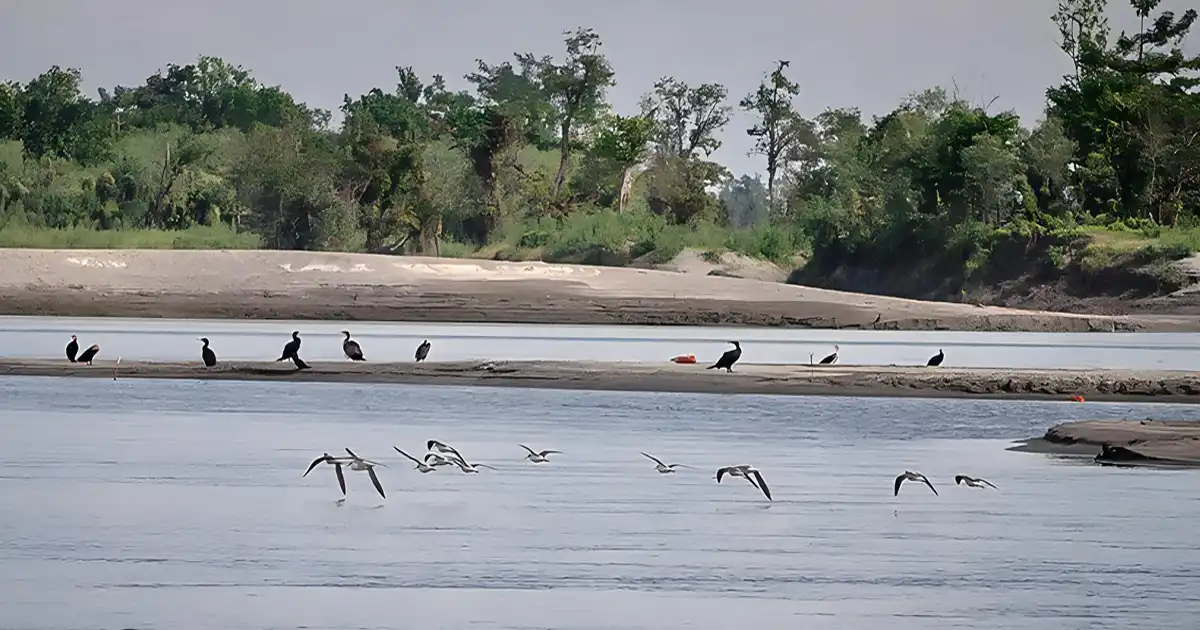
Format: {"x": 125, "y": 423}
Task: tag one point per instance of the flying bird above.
{"x": 973, "y": 482}
{"x": 831, "y": 359}
{"x": 206, "y": 354}
{"x": 435, "y": 446}
{"x": 291, "y": 350}
{"x": 336, "y": 462}
{"x": 72, "y": 349}
{"x": 749, "y": 473}
{"x": 351, "y": 348}
{"x": 358, "y": 463}
{"x": 936, "y": 359}
{"x": 422, "y": 351}
{"x": 89, "y": 354}
{"x": 729, "y": 358}
{"x": 420, "y": 465}
{"x": 912, "y": 476}
{"x": 538, "y": 457}
{"x": 661, "y": 467}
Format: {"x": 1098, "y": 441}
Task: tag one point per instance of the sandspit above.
{"x": 1123, "y": 442}
{"x": 842, "y": 380}
{"x": 225, "y": 284}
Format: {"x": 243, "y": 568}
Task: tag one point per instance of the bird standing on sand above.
{"x": 291, "y": 350}
{"x": 72, "y": 349}
{"x": 973, "y": 482}
{"x": 538, "y": 457}
{"x": 206, "y": 354}
{"x": 89, "y": 354}
{"x": 831, "y": 359}
{"x": 351, "y": 348}
{"x": 749, "y": 473}
{"x": 422, "y": 351}
{"x": 912, "y": 476}
{"x": 936, "y": 359}
{"x": 661, "y": 467}
{"x": 729, "y": 358}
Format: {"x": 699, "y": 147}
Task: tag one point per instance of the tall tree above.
{"x": 779, "y": 130}
{"x": 575, "y": 87}
{"x": 687, "y": 119}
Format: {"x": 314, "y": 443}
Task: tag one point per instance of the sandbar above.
{"x": 1123, "y": 442}
{"x": 241, "y": 284}
{"x": 800, "y": 380}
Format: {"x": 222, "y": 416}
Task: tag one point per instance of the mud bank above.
{"x": 800, "y": 380}
{"x": 1123, "y": 442}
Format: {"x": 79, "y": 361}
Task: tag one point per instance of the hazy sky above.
{"x": 864, "y": 53}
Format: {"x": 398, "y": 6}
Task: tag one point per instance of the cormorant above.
{"x": 729, "y": 358}
{"x": 422, "y": 351}
{"x": 831, "y": 359}
{"x": 351, "y": 348}
{"x": 89, "y": 354}
{"x": 291, "y": 350}
{"x": 936, "y": 359}
{"x": 72, "y": 349}
{"x": 206, "y": 353}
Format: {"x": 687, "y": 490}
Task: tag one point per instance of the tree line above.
{"x": 534, "y": 142}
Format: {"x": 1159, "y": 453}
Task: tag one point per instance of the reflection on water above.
{"x": 176, "y": 340}
{"x": 181, "y": 504}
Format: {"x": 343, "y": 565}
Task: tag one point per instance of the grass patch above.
{"x": 199, "y": 237}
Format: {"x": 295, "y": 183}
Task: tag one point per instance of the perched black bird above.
{"x": 936, "y": 359}
{"x": 351, "y": 348}
{"x": 291, "y": 350}
{"x": 206, "y": 353}
{"x": 89, "y": 354}
{"x": 422, "y": 351}
{"x": 831, "y": 359}
{"x": 729, "y": 358}
{"x": 72, "y": 349}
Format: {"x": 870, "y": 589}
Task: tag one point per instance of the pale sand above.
{"x": 1123, "y": 442}
{"x": 1095, "y": 385}
{"x": 306, "y": 285}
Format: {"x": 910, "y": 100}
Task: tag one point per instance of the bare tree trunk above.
{"x": 626, "y": 188}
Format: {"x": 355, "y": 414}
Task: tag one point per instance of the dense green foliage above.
{"x": 533, "y": 161}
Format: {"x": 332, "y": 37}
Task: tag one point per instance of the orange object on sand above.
{"x": 684, "y": 358}
{"x": 1077, "y": 398}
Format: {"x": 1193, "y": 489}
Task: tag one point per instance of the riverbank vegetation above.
{"x": 532, "y": 162}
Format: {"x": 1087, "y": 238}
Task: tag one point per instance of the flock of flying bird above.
{"x": 440, "y": 454}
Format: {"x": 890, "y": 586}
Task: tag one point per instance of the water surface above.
{"x": 179, "y": 504}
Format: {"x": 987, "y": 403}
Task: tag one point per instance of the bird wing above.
{"x": 829, "y": 359}
{"x": 989, "y": 483}
{"x": 750, "y": 480}
{"x": 678, "y": 466}
{"x": 549, "y": 452}
{"x": 407, "y": 455}
{"x": 657, "y": 460}
{"x": 375, "y": 480}
{"x": 721, "y": 472}
{"x": 314, "y": 465}
{"x": 899, "y": 480}
{"x": 353, "y": 455}
{"x": 926, "y": 480}
{"x": 531, "y": 451}
{"x": 337, "y": 467}
{"x": 485, "y": 466}
{"x": 762, "y": 485}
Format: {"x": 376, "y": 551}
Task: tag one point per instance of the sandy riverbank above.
{"x": 1095, "y": 385}
{"x": 305, "y": 285}
{"x": 1123, "y": 442}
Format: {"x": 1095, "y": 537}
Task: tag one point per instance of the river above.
{"x": 180, "y": 504}
{"x": 176, "y": 340}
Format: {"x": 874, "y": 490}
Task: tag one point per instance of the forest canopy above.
{"x": 533, "y": 157}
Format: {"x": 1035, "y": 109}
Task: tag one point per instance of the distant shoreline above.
{"x": 198, "y": 284}
{"x": 795, "y": 380}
